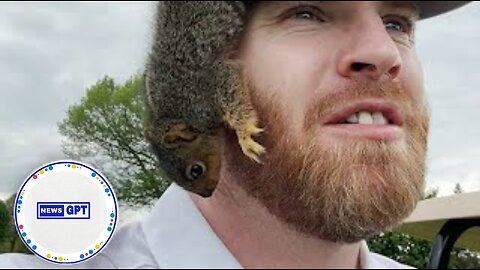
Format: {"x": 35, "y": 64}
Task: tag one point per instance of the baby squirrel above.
{"x": 193, "y": 89}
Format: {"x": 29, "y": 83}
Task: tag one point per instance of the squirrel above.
{"x": 193, "y": 88}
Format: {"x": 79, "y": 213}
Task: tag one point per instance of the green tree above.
{"x": 11, "y": 241}
{"x": 4, "y": 221}
{"x": 403, "y": 247}
{"x": 464, "y": 259}
{"x": 415, "y": 252}
{"x": 433, "y": 193}
{"x": 106, "y": 130}
{"x": 458, "y": 189}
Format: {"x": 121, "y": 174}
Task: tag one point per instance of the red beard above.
{"x": 344, "y": 192}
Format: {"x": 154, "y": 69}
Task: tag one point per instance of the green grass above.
{"x": 428, "y": 230}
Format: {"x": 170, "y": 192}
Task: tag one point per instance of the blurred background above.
{"x": 70, "y": 77}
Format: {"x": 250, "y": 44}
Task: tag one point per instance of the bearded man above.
{"x": 339, "y": 91}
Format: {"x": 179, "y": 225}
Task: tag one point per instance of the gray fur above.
{"x": 188, "y": 78}
{"x": 184, "y": 71}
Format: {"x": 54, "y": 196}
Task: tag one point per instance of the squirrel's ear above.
{"x": 178, "y": 134}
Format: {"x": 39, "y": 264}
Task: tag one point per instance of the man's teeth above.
{"x": 353, "y": 119}
{"x": 378, "y": 119}
{"x": 367, "y": 118}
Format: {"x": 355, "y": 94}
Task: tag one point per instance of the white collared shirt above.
{"x": 174, "y": 235}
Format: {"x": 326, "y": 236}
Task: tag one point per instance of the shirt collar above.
{"x": 179, "y": 237}
{"x": 365, "y": 258}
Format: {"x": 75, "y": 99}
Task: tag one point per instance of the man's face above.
{"x": 338, "y": 88}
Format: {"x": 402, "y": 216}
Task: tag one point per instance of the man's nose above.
{"x": 369, "y": 53}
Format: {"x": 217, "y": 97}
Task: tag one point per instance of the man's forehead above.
{"x": 411, "y": 6}
{"x": 423, "y": 9}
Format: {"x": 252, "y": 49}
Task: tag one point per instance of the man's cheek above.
{"x": 291, "y": 101}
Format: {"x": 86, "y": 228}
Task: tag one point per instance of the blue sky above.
{"x": 51, "y": 52}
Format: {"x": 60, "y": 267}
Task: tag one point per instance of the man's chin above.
{"x": 358, "y": 150}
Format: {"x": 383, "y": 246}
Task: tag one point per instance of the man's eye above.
{"x": 306, "y": 13}
{"x": 400, "y": 25}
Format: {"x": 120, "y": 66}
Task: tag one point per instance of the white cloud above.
{"x": 447, "y": 46}
{"x": 5, "y": 196}
{"x": 49, "y": 54}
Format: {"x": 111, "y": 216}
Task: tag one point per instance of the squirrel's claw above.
{"x": 250, "y": 148}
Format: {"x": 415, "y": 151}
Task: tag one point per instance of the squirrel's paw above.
{"x": 250, "y": 148}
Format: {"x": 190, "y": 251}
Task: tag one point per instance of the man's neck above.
{"x": 258, "y": 240}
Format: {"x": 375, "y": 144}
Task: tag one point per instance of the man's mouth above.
{"x": 369, "y": 119}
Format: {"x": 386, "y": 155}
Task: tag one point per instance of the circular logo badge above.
{"x": 66, "y": 212}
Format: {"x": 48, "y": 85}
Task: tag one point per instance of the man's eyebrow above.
{"x": 409, "y": 5}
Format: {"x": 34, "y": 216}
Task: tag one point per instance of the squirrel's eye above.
{"x": 195, "y": 170}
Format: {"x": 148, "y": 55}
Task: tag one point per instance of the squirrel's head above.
{"x": 192, "y": 164}
{"x": 200, "y": 170}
